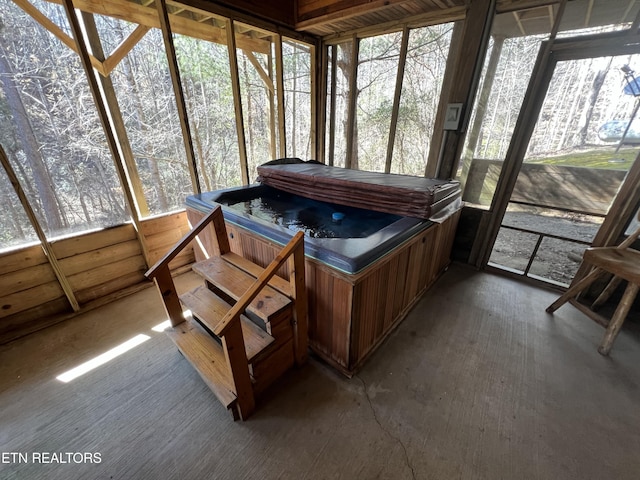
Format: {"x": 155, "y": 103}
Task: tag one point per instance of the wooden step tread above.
{"x": 210, "y": 309}
{"x": 279, "y": 283}
{"x": 206, "y": 356}
{"x": 235, "y": 282}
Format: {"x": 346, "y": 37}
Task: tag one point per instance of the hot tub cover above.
{"x": 385, "y": 192}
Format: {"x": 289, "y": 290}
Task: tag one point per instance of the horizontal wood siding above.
{"x": 102, "y": 262}
{"x": 162, "y": 233}
{"x": 97, "y": 265}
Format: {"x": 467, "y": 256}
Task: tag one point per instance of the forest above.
{"x": 51, "y": 132}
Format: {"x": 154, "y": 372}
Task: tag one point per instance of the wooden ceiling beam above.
{"x": 148, "y": 16}
{"x": 309, "y": 20}
{"x": 124, "y": 48}
{"x": 44, "y": 21}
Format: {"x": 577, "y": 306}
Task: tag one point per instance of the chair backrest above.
{"x": 631, "y": 238}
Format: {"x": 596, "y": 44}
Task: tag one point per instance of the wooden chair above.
{"x": 624, "y": 264}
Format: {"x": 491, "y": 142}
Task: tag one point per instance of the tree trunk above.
{"x": 585, "y": 118}
{"x": 30, "y": 148}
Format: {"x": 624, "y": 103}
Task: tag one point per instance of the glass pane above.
{"x": 257, "y": 73}
{"x": 506, "y": 74}
{"x": 206, "y": 82}
{"x": 513, "y": 249}
{"x": 424, "y": 71}
{"x": 15, "y": 228}
{"x": 343, "y": 74}
{"x": 297, "y": 100}
{"x": 377, "y": 71}
{"x": 51, "y": 131}
{"x": 143, "y": 87}
{"x": 329, "y": 140}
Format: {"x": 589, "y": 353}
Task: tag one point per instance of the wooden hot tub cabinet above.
{"x": 351, "y": 314}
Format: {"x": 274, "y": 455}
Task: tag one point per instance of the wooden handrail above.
{"x": 184, "y": 241}
{"x": 244, "y": 301}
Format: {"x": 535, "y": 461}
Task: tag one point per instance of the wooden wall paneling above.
{"x": 32, "y": 297}
{"x": 35, "y": 223}
{"x": 68, "y": 247}
{"x": 23, "y": 258}
{"x": 87, "y": 279}
{"x": 115, "y": 284}
{"x": 97, "y": 258}
{"x": 171, "y": 221}
{"x": 32, "y": 319}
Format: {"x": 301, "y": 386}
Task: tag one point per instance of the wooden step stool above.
{"x": 247, "y": 326}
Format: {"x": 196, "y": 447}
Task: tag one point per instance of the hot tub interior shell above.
{"x": 350, "y": 314}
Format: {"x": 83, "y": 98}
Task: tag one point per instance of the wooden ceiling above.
{"x": 331, "y": 19}
{"x": 335, "y": 18}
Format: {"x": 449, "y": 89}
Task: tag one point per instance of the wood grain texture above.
{"x": 477, "y": 382}
{"x": 350, "y": 315}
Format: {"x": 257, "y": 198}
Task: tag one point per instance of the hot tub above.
{"x": 364, "y": 269}
{"x": 345, "y": 238}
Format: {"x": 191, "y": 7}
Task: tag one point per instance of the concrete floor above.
{"x": 477, "y": 382}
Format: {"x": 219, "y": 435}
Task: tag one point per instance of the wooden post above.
{"x": 396, "y": 98}
{"x": 300, "y": 314}
{"x": 104, "y": 120}
{"x": 236, "y": 356}
{"x": 116, "y": 116}
{"x": 320, "y": 90}
{"x": 353, "y": 98}
{"x": 477, "y": 27}
{"x": 221, "y": 232}
{"x": 237, "y": 101}
{"x": 280, "y": 94}
{"x": 332, "y": 108}
{"x": 317, "y": 124}
{"x": 179, "y": 94}
{"x": 46, "y": 246}
{"x": 272, "y": 111}
{"x": 167, "y": 290}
